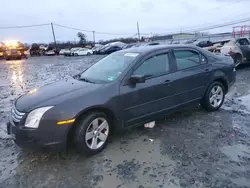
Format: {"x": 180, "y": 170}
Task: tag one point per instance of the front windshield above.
{"x": 108, "y": 68}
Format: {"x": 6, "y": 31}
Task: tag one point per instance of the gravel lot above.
{"x": 191, "y": 148}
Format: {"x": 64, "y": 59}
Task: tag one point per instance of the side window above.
{"x": 186, "y": 59}
{"x": 153, "y": 66}
{"x": 243, "y": 42}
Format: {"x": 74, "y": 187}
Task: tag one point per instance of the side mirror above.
{"x": 137, "y": 79}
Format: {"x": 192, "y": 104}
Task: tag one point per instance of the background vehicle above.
{"x": 62, "y": 51}
{"x": 203, "y": 43}
{"x": 238, "y": 49}
{"x": 35, "y": 50}
{"x": 50, "y": 53}
{"x": 73, "y": 50}
{"x": 125, "y": 89}
{"x": 109, "y": 49}
{"x": 96, "y": 48}
{"x": 14, "y": 50}
{"x": 128, "y": 46}
{"x": 83, "y": 51}
{"x": 2, "y": 50}
{"x": 67, "y": 52}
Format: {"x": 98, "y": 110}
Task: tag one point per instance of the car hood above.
{"x": 52, "y": 94}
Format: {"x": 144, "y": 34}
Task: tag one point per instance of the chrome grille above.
{"x": 16, "y": 115}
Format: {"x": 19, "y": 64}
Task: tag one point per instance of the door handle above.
{"x": 206, "y": 70}
{"x": 166, "y": 82}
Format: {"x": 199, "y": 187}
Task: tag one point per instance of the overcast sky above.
{"x": 114, "y": 16}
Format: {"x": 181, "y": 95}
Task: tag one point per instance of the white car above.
{"x": 83, "y": 51}
{"x": 62, "y": 51}
{"x": 50, "y": 52}
{"x": 73, "y": 50}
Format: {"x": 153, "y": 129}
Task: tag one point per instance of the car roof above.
{"x": 147, "y": 49}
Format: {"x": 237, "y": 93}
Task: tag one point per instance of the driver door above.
{"x": 141, "y": 102}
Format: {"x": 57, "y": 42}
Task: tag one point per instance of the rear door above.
{"x": 193, "y": 72}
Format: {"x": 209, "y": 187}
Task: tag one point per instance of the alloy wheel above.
{"x": 97, "y": 133}
{"x": 216, "y": 96}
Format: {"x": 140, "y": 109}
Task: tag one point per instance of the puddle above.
{"x": 236, "y": 152}
{"x": 138, "y": 162}
{"x": 245, "y": 100}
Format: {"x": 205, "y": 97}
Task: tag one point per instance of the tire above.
{"x": 76, "y": 54}
{"x": 219, "y": 98}
{"x": 84, "y": 126}
{"x": 88, "y": 53}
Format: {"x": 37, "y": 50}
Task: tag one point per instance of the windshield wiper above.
{"x": 85, "y": 80}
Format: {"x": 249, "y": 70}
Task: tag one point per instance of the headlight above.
{"x": 34, "y": 117}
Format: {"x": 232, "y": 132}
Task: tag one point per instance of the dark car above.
{"x": 203, "y": 43}
{"x": 127, "y": 46}
{"x": 109, "y": 49}
{"x": 122, "y": 90}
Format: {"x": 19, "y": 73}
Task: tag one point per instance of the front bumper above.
{"x": 38, "y": 138}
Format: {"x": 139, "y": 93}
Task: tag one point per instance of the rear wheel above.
{"x": 88, "y": 53}
{"x": 214, "y": 97}
{"x": 92, "y": 133}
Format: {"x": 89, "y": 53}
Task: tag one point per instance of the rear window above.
{"x": 186, "y": 58}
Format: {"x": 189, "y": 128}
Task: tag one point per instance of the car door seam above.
{"x": 162, "y": 98}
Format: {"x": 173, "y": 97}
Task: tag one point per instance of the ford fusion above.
{"x": 125, "y": 89}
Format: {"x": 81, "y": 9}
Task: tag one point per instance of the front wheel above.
{"x": 214, "y": 97}
{"x": 92, "y": 133}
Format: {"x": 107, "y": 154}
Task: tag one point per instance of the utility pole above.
{"x": 138, "y": 32}
{"x": 53, "y": 32}
{"x": 93, "y": 36}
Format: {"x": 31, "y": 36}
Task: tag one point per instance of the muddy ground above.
{"x": 191, "y": 148}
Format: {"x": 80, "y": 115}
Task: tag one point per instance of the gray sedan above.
{"x": 125, "y": 89}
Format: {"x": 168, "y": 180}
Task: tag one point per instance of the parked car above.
{"x": 62, "y": 51}
{"x": 83, "y": 51}
{"x": 71, "y": 51}
{"x": 67, "y": 52}
{"x": 35, "y": 50}
{"x": 125, "y": 89}
{"x": 2, "y": 50}
{"x": 14, "y": 50}
{"x": 12, "y": 54}
{"x": 238, "y": 49}
{"x": 96, "y": 48}
{"x": 50, "y": 53}
{"x": 109, "y": 49}
{"x": 203, "y": 43}
{"x": 128, "y": 46}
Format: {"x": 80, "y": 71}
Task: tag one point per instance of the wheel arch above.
{"x": 238, "y": 55}
{"x": 110, "y": 113}
{"x": 223, "y": 81}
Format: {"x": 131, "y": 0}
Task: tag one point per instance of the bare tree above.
{"x": 82, "y": 37}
